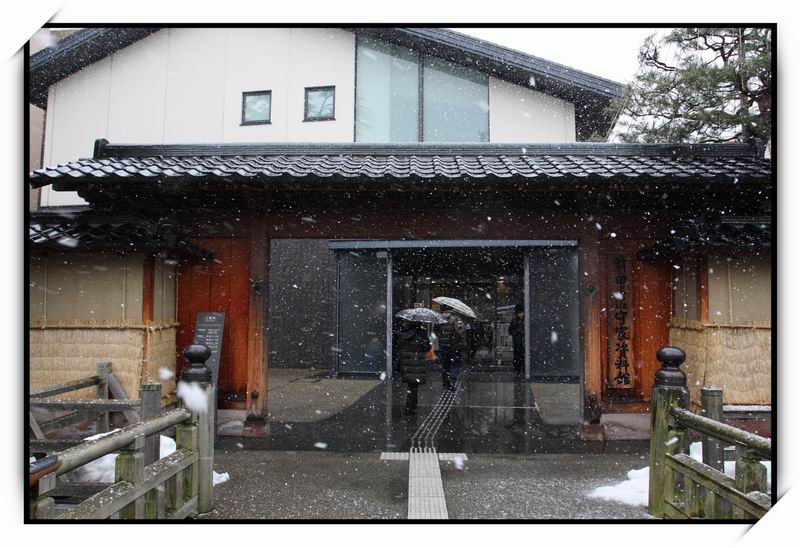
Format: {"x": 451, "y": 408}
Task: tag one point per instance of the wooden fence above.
{"x": 684, "y": 488}
{"x": 107, "y": 386}
{"x": 174, "y": 487}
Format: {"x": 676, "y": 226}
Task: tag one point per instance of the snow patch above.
{"x": 102, "y": 469}
{"x": 634, "y": 491}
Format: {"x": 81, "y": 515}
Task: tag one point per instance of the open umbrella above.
{"x": 456, "y": 305}
{"x": 425, "y": 315}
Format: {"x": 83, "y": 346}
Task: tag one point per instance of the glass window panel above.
{"x": 319, "y": 103}
{"x": 257, "y": 107}
{"x": 362, "y": 312}
{"x": 387, "y": 93}
{"x": 554, "y": 314}
{"x": 455, "y": 103}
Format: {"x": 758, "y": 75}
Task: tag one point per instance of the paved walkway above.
{"x": 482, "y": 452}
{"x": 324, "y": 485}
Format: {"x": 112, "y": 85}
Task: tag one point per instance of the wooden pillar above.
{"x": 669, "y": 390}
{"x": 256, "y": 353}
{"x": 148, "y": 290}
{"x": 102, "y": 393}
{"x": 148, "y": 287}
{"x": 702, "y": 288}
{"x": 589, "y": 287}
{"x": 150, "y": 396}
{"x": 129, "y": 466}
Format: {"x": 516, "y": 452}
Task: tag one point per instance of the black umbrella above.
{"x": 425, "y": 315}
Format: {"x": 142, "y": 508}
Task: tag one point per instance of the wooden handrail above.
{"x": 85, "y": 405}
{"x": 70, "y": 386}
{"x": 723, "y": 432}
{"x": 84, "y": 453}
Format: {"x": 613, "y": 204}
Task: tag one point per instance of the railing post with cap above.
{"x": 669, "y": 390}
{"x": 198, "y": 372}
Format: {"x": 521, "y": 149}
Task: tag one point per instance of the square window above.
{"x": 256, "y": 107}
{"x": 320, "y": 103}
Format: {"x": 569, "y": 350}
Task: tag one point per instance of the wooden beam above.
{"x": 256, "y": 354}
{"x": 70, "y": 386}
{"x": 86, "y": 405}
{"x": 702, "y": 288}
{"x": 148, "y": 288}
{"x": 148, "y": 297}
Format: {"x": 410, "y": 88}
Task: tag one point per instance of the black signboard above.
{"x": 208, "y": 331}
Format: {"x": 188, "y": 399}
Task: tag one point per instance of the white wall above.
{"x": 523, "y": 115}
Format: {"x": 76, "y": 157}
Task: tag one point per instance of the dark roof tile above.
{"x": 582, "y": 161}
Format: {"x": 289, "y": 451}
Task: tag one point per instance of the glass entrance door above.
{"x": 554, "y": 321}
{"x": 361, "y": 311}
{"x": 554, "y": 355}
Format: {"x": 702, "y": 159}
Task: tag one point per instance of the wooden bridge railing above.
{"x": 684, "y": 488}
{"x": 175, "y": 487}
{"x": 107, "y": 386}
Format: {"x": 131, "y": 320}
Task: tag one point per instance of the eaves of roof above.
{"x": 587, "y": 162}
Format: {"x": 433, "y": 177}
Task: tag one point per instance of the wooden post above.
{"x": 711, "y": 402}
{"x": 130, "y": 467}
{"x": 103, "y": 370}
{"x": 257, "y": 357}
{"x": 42, "y": 506}
{"x": 186, "y": 484}
{"x": 205, "y": 447}
{"x": 669, "y": 390}
{"x": 198, "y": 372}
{"x": 591, "y": 321}
{"x": 751, "y": 475}
{"x": 150, "y": 394}
{"x": 677, "y": 442}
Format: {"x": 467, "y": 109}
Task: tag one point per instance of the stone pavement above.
{"x": 323, "y": 485}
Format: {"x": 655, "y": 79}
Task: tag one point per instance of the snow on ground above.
{"x": 634, "y": 490}
{"x": 102, "y": 469}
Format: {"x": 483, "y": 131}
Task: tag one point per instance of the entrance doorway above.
{"x": 490, "y": 280}
{"x": 491, "y": 276}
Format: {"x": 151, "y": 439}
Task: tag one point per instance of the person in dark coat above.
{"x": 452, "y": 344}
{"x": 412, "y": 345}
{"x": 517, "y": 331}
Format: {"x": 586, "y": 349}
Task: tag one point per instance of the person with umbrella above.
{"x": 412, "y": 346}
{"x": 452, "y": 339}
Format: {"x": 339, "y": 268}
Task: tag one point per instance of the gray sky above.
{"x": 607, "y": 52}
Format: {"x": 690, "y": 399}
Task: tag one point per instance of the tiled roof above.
{"x": 91, "y": 230}
{"x": 710, "y": 235}
{"x": 574, "y": 161}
